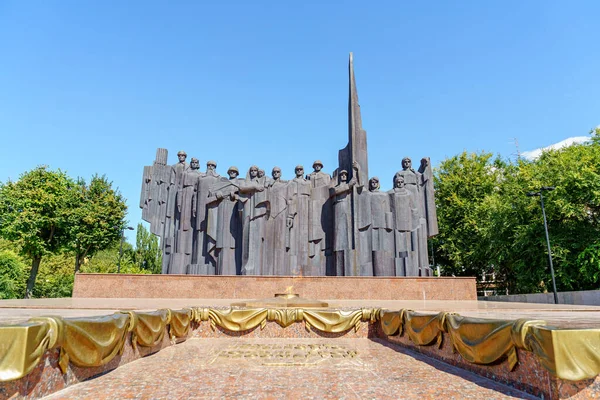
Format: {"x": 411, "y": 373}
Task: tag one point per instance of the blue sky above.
{"x": 96, "y": 86}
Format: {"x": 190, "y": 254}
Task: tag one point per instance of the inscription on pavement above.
{"x": 286, "y": 354}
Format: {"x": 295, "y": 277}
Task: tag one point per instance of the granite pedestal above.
{"x": 252, "y": 287}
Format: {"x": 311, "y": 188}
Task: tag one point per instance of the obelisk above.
{"x": 355, "y": 150}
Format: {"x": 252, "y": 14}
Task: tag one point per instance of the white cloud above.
{"x": 534, "y": 154}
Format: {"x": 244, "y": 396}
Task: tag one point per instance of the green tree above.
{"x": 147, "y": 254}
{"x": 9, "y": 245}
{"x": 573, "y": 211}
{"x": 12, "y": 275}
{"x": 95, "y": 224}
{"x": 105, "y": 262}
{"x": 507, "y": 233}
{"x": 34, "y": 212}
{"x": 589, "y": 265}
{"x": 55, "y": 277}
{"x": 462, "y": 183}
{"x": 488, "y": 224}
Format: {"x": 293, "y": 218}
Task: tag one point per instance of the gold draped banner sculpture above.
{"x": 23, "y": 346}
{"x": 233, "y": 320}
{"x": 180, "y": 323}
{"x": 425, "y": 329}
{"x": 331, "y": 321}
{"x": 484, "y": 341}
{"x": 571, "y": 354}
{"x": 93, "y": 341}
{"x": 149, "y": 327}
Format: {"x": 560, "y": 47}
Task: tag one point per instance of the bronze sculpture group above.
{"x": 259, "y": 225}
{"x": 314, "y": 224}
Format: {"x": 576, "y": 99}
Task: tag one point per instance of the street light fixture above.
{"x": 540, "y": 194}
{"x": 121, "y": 247}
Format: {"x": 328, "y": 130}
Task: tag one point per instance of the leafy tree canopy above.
{"x": 96, "y": 223}
{"x": 105, "y": 262}
{"x": 489, "y": 225}
{"x": 34, "y": 212}
{"x": 45, "y": 212}
{"x": 12, "y": 275}
{"x": 147, "y": 254}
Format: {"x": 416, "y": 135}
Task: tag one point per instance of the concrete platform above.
{"x": 561, "y": 315}
{"x": 228, "y": 361}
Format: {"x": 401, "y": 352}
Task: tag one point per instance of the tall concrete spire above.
{"x": 356, "y": 150}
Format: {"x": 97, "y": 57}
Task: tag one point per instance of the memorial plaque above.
{"x": 292, "y": 354}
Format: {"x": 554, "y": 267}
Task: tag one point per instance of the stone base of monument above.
{"x": 253, "y": 287}
{"x": 91, "y": 352}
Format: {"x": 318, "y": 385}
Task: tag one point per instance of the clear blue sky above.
{"x": 96, "y": 86}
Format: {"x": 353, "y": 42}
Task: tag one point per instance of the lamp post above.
{"x": 121, "y": 247}
{"x": 540, "y": 194}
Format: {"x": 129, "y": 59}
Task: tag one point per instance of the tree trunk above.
{"x": 77, "y": 263}
{"x": 80, "y": 257}
{"x": 35, "y": 266}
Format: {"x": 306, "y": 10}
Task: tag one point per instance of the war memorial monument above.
{"x": 316, "y": 287}
{"x": 313, "y": 225}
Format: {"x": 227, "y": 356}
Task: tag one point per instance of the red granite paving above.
{"x": 287, "y": 369}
